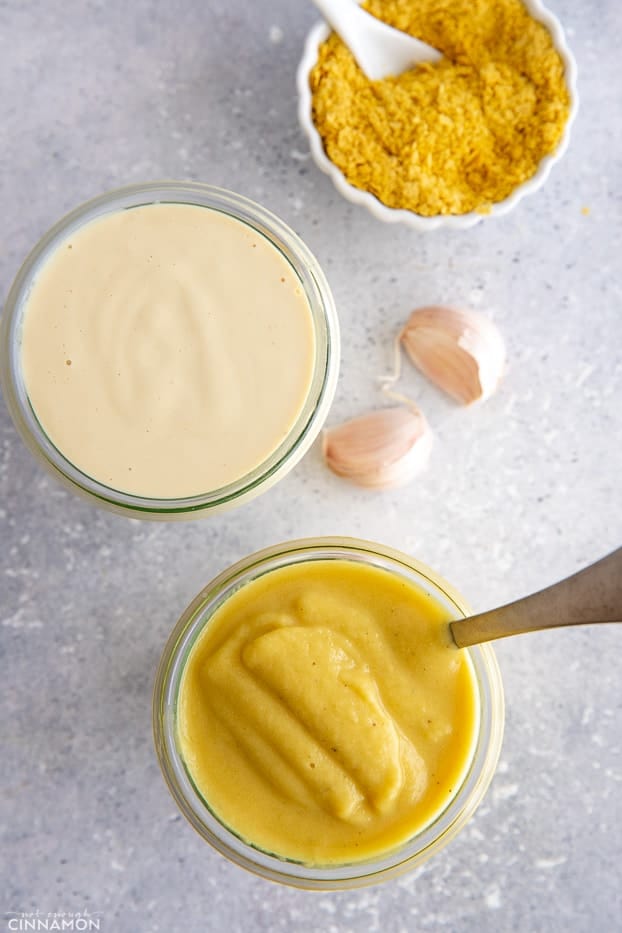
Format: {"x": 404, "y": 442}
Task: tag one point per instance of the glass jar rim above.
{"x": 325, "y": 327}
{"x": 425, "y": 843}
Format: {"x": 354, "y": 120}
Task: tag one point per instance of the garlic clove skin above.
{"x": 379, "y": 450}
{"x": 462, "y": 352}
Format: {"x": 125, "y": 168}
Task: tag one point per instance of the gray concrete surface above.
{"x": 520, "y": 492}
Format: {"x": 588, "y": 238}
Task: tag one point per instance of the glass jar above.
{"x": 323, "y": 381}
{"x": 431, "y": 838}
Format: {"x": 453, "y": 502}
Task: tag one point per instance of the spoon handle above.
{"x": 379, "y": 49}
{"x": 592, "y": 595}
{"x": 353, "y": 25}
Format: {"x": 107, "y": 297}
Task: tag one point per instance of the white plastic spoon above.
{"x": 380, "y": 50}
{"x": 592, "y": 595}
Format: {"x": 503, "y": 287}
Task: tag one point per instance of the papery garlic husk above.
{"x": 461, "y": 351}
{"x": 381, "y": 449}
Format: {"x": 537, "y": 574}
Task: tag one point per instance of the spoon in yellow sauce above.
{"x": 589, "y": 596}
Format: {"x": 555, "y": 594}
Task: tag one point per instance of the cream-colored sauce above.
{"x": 167, "y": 350}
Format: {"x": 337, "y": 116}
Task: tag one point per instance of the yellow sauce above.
{"x": 168, "y": 349}
{"x": 324, "y": 714}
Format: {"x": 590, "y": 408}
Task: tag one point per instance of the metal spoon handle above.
{"x": 592, "y": 595}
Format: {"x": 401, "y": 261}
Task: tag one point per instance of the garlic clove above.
{"x": 461, "y": 351}
{"x": 381, "y": 449}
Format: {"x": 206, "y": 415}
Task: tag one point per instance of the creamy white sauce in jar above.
{"x": 167, "y": 349}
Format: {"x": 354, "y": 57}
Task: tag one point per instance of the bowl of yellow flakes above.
{"x": 447, "y": 143}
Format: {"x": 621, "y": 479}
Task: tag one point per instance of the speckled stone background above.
{"x": 520, "y": 492}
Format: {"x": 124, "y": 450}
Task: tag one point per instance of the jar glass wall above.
{"x": 433, "y": 836}
{"x": 323, "y": 378}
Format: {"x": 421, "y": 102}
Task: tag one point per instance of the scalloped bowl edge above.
{"x": 321, "y": 31}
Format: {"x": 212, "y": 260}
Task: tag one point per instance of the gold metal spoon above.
{"x": 589, "y": 596}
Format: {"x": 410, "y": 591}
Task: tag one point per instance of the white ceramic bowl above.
{"x": 320, "y": 32}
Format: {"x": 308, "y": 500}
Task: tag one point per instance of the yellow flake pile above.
{"x": 451, "y": 137}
